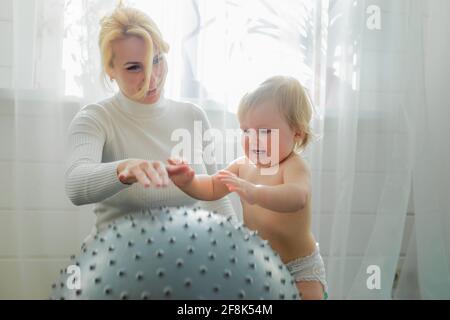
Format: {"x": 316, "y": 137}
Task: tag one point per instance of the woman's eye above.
{"x": 157, "y": 59}
{"x": 134, "y": 68}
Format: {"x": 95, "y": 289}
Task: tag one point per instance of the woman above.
{"x": 117, "y": 146}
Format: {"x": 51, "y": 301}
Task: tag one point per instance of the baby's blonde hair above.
{"x": 291, "y": 99}
{"x": 125, "y": 22}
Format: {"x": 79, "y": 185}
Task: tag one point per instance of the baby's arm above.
{"x": 290, "y": 196}
{"x": 202, "y": 187}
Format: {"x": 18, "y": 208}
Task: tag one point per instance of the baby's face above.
{"x": 267, "y": 138}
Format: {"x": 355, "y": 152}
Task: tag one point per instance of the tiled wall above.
{"x": 37, "y": 239}
{"x": 6, "y": 43}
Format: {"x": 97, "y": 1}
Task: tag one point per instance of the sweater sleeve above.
{"x": 87, "y": 180}
{"x": 222, "y": 206}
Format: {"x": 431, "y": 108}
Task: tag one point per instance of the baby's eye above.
{"x": 265, "y": 131}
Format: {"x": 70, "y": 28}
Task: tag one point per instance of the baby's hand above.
{"x": 245, "y": 189}
{"x": 180, "y": 172}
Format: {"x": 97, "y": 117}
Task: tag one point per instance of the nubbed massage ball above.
{"x": 176, "y": 253}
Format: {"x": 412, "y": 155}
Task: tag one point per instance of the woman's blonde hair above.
{"x": 291, "y": 99}
{"x": 124, "y": 22}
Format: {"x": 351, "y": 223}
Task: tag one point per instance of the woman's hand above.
{"x": 180, "y": 172}
{"x": 245, "y": 189}
{"x": 144, "y": 172}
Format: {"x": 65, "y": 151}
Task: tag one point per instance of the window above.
{"x": 219, "y": 49}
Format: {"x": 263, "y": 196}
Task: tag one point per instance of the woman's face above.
{"x": 128, "y": 68}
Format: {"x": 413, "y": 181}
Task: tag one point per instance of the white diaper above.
{"x": 309, "y": 268}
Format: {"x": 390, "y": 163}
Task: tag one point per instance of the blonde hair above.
{"x": 125, "y": 22}
{"x": 291, "y": 99}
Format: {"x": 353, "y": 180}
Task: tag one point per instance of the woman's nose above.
{"x": 153, "y": 79}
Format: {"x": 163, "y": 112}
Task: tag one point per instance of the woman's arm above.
{"x": 87, "y": 180}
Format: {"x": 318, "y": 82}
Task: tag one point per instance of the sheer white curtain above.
{"x": 380, "y": 103}
{"x": 363, "y": 169}
{"x": 429, "y": 246}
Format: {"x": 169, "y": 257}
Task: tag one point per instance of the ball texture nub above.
{"x": 176, "y": 253}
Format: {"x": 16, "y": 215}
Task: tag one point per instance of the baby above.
{"x": 272, "y": 180}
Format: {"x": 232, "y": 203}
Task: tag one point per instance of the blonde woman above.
{"x": 276, "y": 203}
{"x": 117, "y": 147}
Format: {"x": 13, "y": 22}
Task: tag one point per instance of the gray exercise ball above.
{"x": 175, "y": 253}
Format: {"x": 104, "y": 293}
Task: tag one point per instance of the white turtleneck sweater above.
{"x": 102, "y": 135}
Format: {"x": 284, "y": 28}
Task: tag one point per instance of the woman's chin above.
{"x": 152, "y": 97}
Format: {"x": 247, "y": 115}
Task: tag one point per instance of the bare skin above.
{"x": 147, "y": 173}
{"x": 278, "y": 205}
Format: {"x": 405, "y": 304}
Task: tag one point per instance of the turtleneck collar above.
{"x": 141, "y": 110}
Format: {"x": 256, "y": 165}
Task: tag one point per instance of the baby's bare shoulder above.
{"x": 296, "y": 163}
